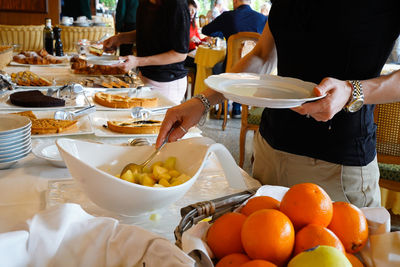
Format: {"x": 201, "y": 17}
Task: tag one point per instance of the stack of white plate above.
{"x": 15, "y": 139}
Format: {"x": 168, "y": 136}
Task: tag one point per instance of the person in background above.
{"x": 125, "y": 21}
{"x": 162, "y": 42}
{"x": 332, "y": 141}
{"x": 264, "y": 9}
{"x": 194, "y": 36}
{"x": 218, "y": 8}
{"x": 241, "y": 19}
{"x": 76, "y": 8}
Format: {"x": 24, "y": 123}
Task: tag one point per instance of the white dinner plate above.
{"x": 22, "y": 151}
{"x": 16, "y": 142}
{"x": 49, "y": 152}
{"x": 103, "y": 59}
{"x": 77, "y": 101}
{"x": 263, "y": 90}
{"x": 11, "y": 123}
{"x": 12, "y": 149}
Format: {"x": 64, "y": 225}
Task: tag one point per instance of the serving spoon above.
{"x": 144, "y": 113}
{"x": 137, "y": 168}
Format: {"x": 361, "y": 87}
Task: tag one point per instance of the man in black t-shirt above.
{"x": 341, "y": 46}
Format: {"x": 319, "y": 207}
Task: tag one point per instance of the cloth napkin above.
{"x": 65, "y": 235}
{"x": 382, "y": 249}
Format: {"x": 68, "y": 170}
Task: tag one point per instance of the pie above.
{"x": 119, "y": 101}
{"x": 135, "y": 126}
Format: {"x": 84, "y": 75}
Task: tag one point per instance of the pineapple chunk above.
{"x": 170, "y": 163}
{"x": 157, "y": 163}
{"x": 158, "y": 170}
{"x": 128, "y": 176}
{"x": 164, "y": 182}
{"x": 165, "y": 176}
{"x": 179, "y": 180}
{"x": 147, "y": 181}
{"x": 174, "y": 173}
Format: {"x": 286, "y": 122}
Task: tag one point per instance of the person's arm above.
{"x": 215, "y": 27}
{"x": 169, "y": 57}
{"x": 112, "y": 43}
{"x": 190, "y": 112}
{"x": 384, "y": 89}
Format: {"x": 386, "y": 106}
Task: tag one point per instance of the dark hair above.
{"x": 193, "y": 3}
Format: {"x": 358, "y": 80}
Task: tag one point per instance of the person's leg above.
{"x": 236, "y": 110}
{"x": 354, "y": 184}
{"x": 361, "y": 184}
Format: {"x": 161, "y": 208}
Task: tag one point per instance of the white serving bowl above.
{"x": 94, "y": 166}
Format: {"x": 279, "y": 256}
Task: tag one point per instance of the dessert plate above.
{"x": 263, "y": 90}
{"x": 49, "y": 152}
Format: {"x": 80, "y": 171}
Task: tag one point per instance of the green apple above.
{"x": 320, "y": 256}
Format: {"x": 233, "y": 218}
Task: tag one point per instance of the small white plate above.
{"x": 49, "y": 152}
{"x": 11, "y": 123}
{"x": 103, "y": 59}
{"x": 263, "y": 90}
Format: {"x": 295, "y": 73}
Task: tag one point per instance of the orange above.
{"x": 223, "y": 236}
{"x": 350, "y": 225}
{"x": 313, "y": 235}
{"x": 305, "y": 204}
{"x": 258, "y": 263}
{"x": 233, "y": 260}
{"x": 268, "y": 235}
{"x": 354, "y": 260}
{"x": 258, "y": 203}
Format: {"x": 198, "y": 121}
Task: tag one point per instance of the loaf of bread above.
{"x": 40, "y": 57}
{"x": 135, "y": 126}
{"x": 119, "y": 101}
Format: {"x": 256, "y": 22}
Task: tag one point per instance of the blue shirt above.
{"x": 242, "y": 19}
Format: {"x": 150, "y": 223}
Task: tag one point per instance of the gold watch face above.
{"x": 356, "y": 105}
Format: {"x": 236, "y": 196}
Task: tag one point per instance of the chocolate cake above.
{"x": 35, "y": 98}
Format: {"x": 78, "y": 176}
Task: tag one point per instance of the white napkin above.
{"x": 66, "y": 235}
{"x": 382, "y": 250}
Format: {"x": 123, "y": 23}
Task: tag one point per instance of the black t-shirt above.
{"x": 347, "y": 40}
{"x": 161, "y": 28}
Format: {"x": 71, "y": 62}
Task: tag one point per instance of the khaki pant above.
{"x": 355, "y": 184}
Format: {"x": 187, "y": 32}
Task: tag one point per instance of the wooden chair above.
{"x": 202, "y": 21}
{"x": 387, "y": 118}
{"x": 238, "y": 46}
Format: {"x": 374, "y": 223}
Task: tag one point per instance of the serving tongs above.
{"x": 72, "y": 115}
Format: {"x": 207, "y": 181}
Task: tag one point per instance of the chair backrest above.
{"x": 27, "y": 37}
{"x": 202, "y": 21}
{"x": 387, "y": 118}
{"x": 239, "y": 45}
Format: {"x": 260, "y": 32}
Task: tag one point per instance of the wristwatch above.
{"x": 357, "y": 97}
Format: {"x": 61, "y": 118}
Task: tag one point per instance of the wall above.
{"x": 31, "y": 18}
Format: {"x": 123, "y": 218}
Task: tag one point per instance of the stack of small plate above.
{"x": 15, "y": 139}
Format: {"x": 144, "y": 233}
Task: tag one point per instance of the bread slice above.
{"x": 49, "y": 126}
{"x": 119, "y": 101}
{"x": 96, "y": 50}
{"x": 135, "y": 126}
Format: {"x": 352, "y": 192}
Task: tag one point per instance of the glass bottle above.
{"x": 48, "y": 37}
{"x": 58, "y": 47}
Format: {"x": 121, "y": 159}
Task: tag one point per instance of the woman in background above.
{"x": 162, "y": 42}
{"x": 194, "y": 35}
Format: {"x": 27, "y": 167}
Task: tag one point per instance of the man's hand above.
{"x": 337, "y": 95}
{"x": 128, "y": 63}
{"x": 111, "y": 44}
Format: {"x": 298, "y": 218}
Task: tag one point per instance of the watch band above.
{"x": 357, "y": 96}
{"x": 207, "y": 107}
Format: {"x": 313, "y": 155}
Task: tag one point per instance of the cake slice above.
{"x": 35, "y": 98}
{"x": 49, "y": 126}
